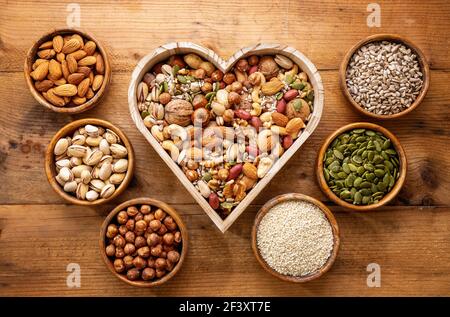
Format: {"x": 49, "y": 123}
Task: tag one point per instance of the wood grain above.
{"x": 40, "y": 234}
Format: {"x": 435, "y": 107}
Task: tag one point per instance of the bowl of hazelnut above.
{"x": 143, "y": 242}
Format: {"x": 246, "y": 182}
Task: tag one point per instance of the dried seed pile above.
{"x": 295, "y": 238}
{"x": 384, "y": 77}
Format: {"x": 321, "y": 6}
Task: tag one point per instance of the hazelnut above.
{"x": 165, "y": 98}
{"x": 173, "y": 256}
{"x": 228, "y": 116}
{"x": 234, "y": 98}
{"x": 192, "y": 175}
{"x": 140, "y": 225}
{"x": 199, "y": 101}
{"x": 170, "y": 223}
{"x": 132, "y": 211}
{"x": 157, "y": 68}
{"x": 176, "y": 60}
{"x": 160, "y": 273}
{"x": 119, "y": 241}
{"x": 129, "y": 248}
{"x": 169, "y": 266}
{"x": 145, "y": 209}
{"x": 207, "y": 87}
{"x": 229, "y": 78}
{"x": 138, "y": 217}
{"x": 130, "y": 224}
{"x": 192, "y": 165}
{"x": 122, "y": 217}
{"x": 128, "y": 261}
{"x": 110, "y": 250}
{"x": 268, "y": 67}
{"x": 198, "y": 73}
{"x": 200, "y": 117}
{"x": 159, "y": 214}
{"x": 151, "y": 262}
{"x": 223, "y": 174}
{"x": 148, "y": 218}
{"x": 236, "y": 87}
{"x": 133, "y": 274}
{"x": 140, "y": 242}
{"x": 177, "y": 237}
{"x": 139, "y": 262}
{"x": 253, "y": 60}
{"x": 119, "y": 266}
{"x": 111, "y": 231}
{"x": 160, "y": 264}
{"x": 119, "y": 252}
{"x": 217, "y": 75}
{"x": 139, "y": 233}
{"x": 168, "y": 248}
{"x": 130, "y": 237}
{"x": 168, "y": 238}
{"x": 156, "y": 251}
{"x": 163, "y": 254}
{"x": 155, "y": 224}
{"x": 162, "y": 230}
{"x": 148, "y": 274}
{"x": 123, "y": 230}
{"x": 242, "y": 65}
{"x": 153, "y": 239}
{"x": 144, "y": 252}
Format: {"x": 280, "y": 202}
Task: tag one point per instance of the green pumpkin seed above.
{"x": 338, "y": 154}
{"x": 360, "y": 170}
{"x": 346, "y": 168}
{"x": 182, "y": 79}
{"x": 379, "y": 172}
{"x": 357, "y": 198}
{"x": 386, "y": 144}
{"x": 358, "y": 131}
{"x": 326, "y": 174}
{"x": 366, "y": 200}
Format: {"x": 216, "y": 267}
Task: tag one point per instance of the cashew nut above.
{"x": 172, "y": 148}
{"x": 264, "y": 166}
{"x": 256, "y": 109}
{"x": 176, "y": 130}
{"x": 264, "y": 140}
{"x": 157, "y": 133}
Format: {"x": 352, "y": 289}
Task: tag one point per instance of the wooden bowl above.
{"x": 389, "y": 196}
{"x": 169, "y": 210}
{"x": 31, "y": 57}
{"x": 391, "y": 38}
{"x": 50, "y": 168}
{"x": 334, "y": 226}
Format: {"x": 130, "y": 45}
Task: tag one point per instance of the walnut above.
{"x": 268, "y": 67}
{"x": 298, "y": 108}
{"x": 179, "y": 112}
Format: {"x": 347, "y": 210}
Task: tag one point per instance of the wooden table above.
{"x": 40, "y": 234}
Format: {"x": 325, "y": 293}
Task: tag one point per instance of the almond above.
{"x": 46, "y": 54}
{"x": 60, "y": 57}
{"x": 87, "y": 61}
{"x": 279, "y": 119}
{"x": 71, "y": 46}
{"x": 294, "y": 126}
{"x": 75, "y": 78}
{"x": 272, "y": 87}
{"x": 90, "y": 93}
{"x": 84, "y": 70}
{"x": 78, "y": 100}
{"x": 65, "y": 69}
{"x": 90, "y": 47}
{"x": 83, "y": 87}
{"x": 71, "y": 64}
{"x": 46, "y": 45}
{"x": 58, "y": 43}
{"x": 38, "y": 62}
{"x": 100, "y": 65}
{"x": 250, "y": 170}
{"x": 66, "y": 90}
{"x": 40, "y": 72}
{"x": 44, "y": 85}
{"x": 53, "y": 99}
{"x": 248, "y": 182}
{"x": 97, "y": 83}
{"x": 78, "y": 54}
{"x": 79, "y": 39}
{"x": 60, "y": 81}
{"x": 54, "y": 70}
{"x": 91, "y": 78}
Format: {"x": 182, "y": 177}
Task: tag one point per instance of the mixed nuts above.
{"x": 68, "y": 70}
{"x": 361, "y": 166}
{"x": 225, "y": 130}
{"x": 91, "y": 163}
{"x": 143, "y": 242}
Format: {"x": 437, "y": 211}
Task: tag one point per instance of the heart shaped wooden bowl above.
{"x": 391, "y": 38}
{"x": 389, "y": 196}
{"x": 165, "y": 51}
{"x": 333, "y": 223}
{"x": 50, "y": 168}
{"x": 31, "y": 56}
{"x": 170, "y": 211}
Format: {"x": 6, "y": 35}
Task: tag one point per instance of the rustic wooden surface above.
{"x": 40, "y": 234}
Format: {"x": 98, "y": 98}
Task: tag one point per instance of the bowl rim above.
{"x": 31, "y": 56}
{"x": 402, "y": 169}
{"x": 50, "y": 169}
{"x": 425, "y": 69}
{"x": 169, "y": 210}
{"x": 331, "y": 219}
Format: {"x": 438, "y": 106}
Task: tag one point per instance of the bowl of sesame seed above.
{"x": 295, "y": 238}
{"x": 384, "y": 76}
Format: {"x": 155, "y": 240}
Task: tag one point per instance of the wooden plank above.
{"x": 26, "y": 134}
{"x": 131, "y": 29}
{"x": 411, "y": 245}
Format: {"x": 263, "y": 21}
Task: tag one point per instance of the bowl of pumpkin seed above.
{"x": 361, "y": 166}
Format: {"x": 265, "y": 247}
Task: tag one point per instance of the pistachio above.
{"x": 118, "y": 151}
{"x": 70, "y": 186}
{"x": 107, "y": 191}
{"x": 77, "y": 150}
{"x": 120, "y": 166}
{"x": 111, "y": 137}
{"x": 105, "y": 171}
{"x": 97, "y": 185}
{"x": 203, "y": 188}
{"x": 91, "y": 195}
{"x": 77, "y": 170}
{"x": 62, "y": 163}
{"x": 79, "y": 139}
{"x": 91, "y": 130}
{"x": 117, "y": 178}
{"x": 85, "y": 176}
{"x": 65, "y": 174}
{"x": 93, "y": 157}
{"x": 61, "y": 146}
{"x": 81, "y": 191}
{"x": 93, "y": 141}
{"x": 75, "y": 161}
{"x": 104, "y": 147}
{"x": 283, "y": 61}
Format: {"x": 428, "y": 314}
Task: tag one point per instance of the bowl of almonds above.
{"x": 67, "y": 71}
{"x": 89, "y": 162}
